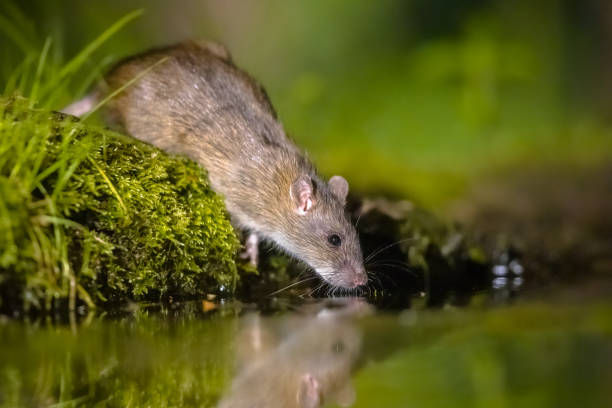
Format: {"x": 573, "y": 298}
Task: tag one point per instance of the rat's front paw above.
{"x": 251, "y": 249}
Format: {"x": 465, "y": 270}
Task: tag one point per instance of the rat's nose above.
{"x": 353, "y": 275}
{"x": 360, "y": 278}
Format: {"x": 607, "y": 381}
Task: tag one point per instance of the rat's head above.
{"x": 323, "y": 236}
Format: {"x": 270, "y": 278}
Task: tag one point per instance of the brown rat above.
{"x": 192, "y": 100}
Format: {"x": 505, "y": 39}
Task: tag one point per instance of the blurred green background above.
{"x": 413, "y": 98}
{"x": 424, "y": 99}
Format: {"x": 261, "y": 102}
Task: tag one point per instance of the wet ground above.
{"x": 533, "y": 330}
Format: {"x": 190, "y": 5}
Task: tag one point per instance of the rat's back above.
{"x": 192, "y": 100}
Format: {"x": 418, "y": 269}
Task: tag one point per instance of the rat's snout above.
{"x": 360, "y": 278}
{"x": 354, "y": 275}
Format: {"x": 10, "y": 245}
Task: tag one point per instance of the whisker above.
{"x": 358, "y": 219}
{"x": 375, "y": 276}
{"x": 396, "y": 261}
{"x": 400, "y": 267}
{"x": 376, "y": 281}
{"x": 291, "y": 285}
{"x": 316, "y": 290}
{"x": 378, "y": 251}
{"x": 386, "y": 276}
{"x": 313, "y": 290}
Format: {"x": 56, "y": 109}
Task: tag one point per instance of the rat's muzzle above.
{"x": 352, "y": 276}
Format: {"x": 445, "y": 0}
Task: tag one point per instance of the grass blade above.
{"x": 75, "y": 63}
{"x": 39, "y": 70}
{"x": 123, "y": 87}
{"x": 110, "y": 184}
{"x": 16, "y": 74}
{"x": 16, "y": 35}
{"x": 19, "y": 19}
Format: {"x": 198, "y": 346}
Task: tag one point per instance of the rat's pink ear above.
{"x": 339, "y": 187}
{"x": 302, "y": 194}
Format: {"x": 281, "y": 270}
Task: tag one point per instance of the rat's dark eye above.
{"x": 334, "y": 240}
{"x": 338, "y": 347}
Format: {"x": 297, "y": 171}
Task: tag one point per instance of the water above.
{"x": 319, "y": 352}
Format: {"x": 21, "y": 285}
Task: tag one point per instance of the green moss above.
{"x": 88, "y": 213}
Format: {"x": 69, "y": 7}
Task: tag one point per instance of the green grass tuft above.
{"x": 87, "y": 213}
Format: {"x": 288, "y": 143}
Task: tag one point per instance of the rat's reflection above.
{"x": 299, "y": 361}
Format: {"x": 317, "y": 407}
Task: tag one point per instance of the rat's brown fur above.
{"x": 199, "y": 104}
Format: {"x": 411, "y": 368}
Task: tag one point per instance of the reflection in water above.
{"x": 507, "y": 278}
{"x": 303, "y": 361}
{"x": 556, "y": 353}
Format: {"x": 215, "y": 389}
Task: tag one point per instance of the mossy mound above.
{"x": 89, "y": 214}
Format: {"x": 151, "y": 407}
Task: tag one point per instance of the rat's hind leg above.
{"x": 251, "y": 249}
{"x": 82, "y": 106}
